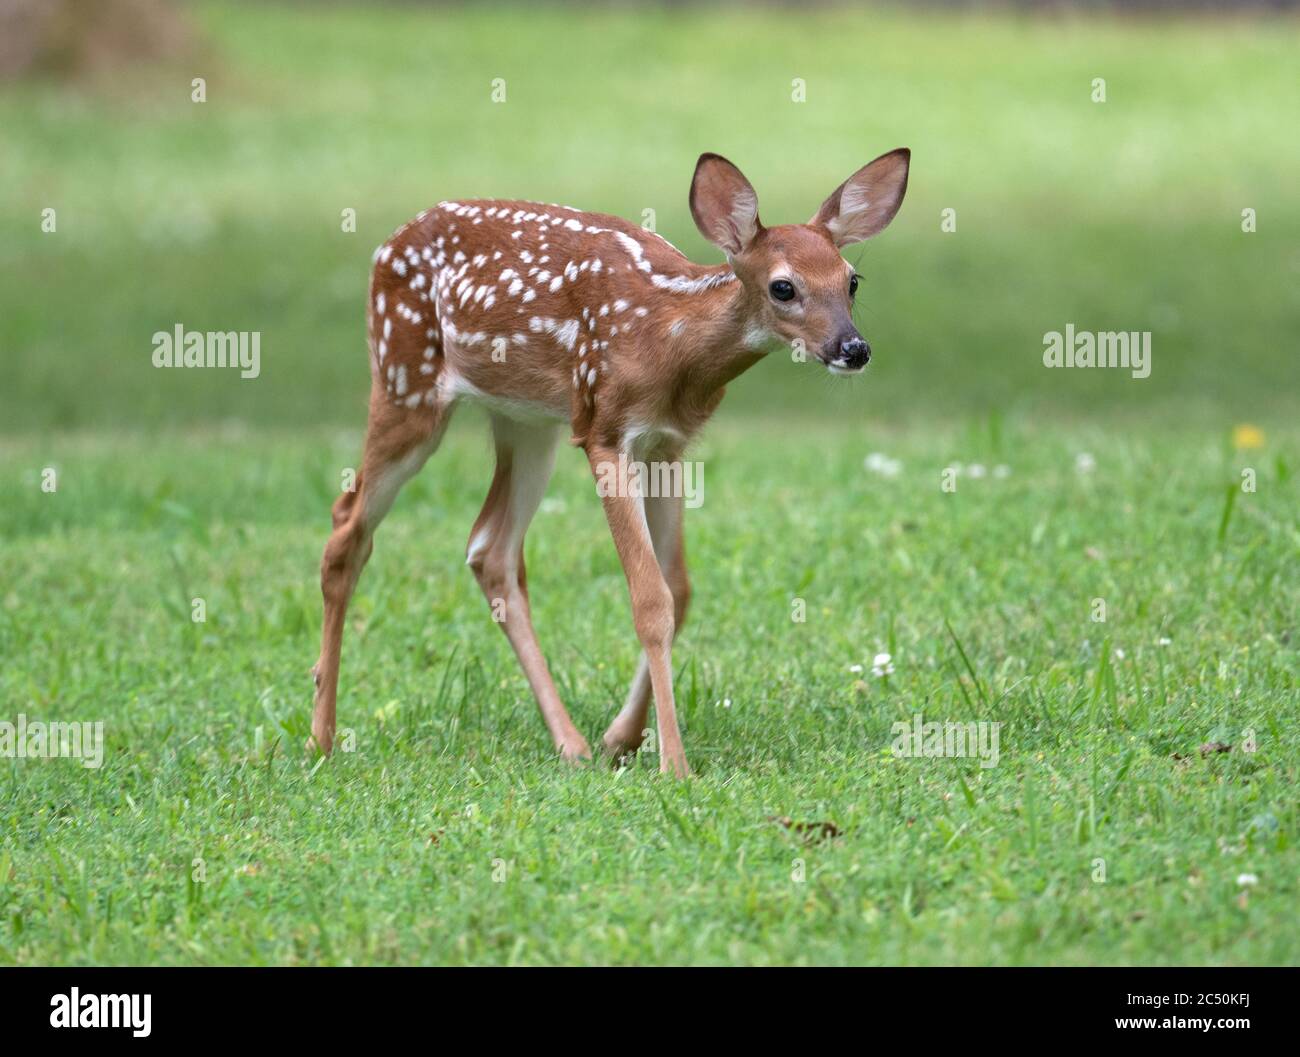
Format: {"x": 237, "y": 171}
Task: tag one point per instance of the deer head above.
{"x": 797, "y": 285}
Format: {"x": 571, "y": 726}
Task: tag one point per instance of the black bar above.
{"x": 217, "y": 1006}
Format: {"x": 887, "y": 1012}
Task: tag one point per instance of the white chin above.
{"x": 837, "y": 369}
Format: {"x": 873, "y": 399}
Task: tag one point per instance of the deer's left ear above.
{"x": 865, "y": 203}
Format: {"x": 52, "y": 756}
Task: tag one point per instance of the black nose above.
{"x": 854, "y": 353}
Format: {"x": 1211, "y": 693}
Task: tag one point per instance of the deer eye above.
{"x": 782, "y": 290}
{"x": 853, "y": 285}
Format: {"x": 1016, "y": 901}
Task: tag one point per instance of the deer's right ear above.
{"x": 724, "y": 204}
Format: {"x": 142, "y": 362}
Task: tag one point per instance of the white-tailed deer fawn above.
{"x": 551, "y": 317}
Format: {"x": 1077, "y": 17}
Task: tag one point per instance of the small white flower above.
{"x": 976, "y": 469}
{"x": 1084, "y": 462}
{"x": 1119, "y": 654}
{"x": 1246, "y": 880}
{"x": 726, "y": 702}
{"x": 1162, "y": 641}
{"x": 882, "y": 464}
{"x": 856, "y": 669}
{"x": 881, "y": 665}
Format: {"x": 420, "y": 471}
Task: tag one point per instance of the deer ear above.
{"x": 724, "y": 204}
{"x": 865, "y": 203}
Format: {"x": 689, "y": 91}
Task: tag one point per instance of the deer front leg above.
{"x": 664, "y": 520}
{"x": 652, "y": 600}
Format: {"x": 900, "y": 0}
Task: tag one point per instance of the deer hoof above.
{"x": 319, "y": 745}
{"x": 677, "y": 767}
{"x": 576, "y": 752}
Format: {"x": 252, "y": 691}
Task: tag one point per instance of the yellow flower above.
{"x": 1247, "y": 437}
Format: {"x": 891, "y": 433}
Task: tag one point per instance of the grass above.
{"x": 387, "y": 854}
{"x": 450, "y": 835}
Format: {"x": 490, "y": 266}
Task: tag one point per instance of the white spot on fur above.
{"x": 567, "y": 334}
{"x": 680, "y": 284}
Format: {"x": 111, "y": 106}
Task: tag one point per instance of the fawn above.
{"x": 549, "y": 316}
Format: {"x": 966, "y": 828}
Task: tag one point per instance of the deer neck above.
{"x": 716, "y": 335}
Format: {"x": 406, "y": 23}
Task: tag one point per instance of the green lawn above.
{"x": 939, "y": 860}
{"x": 450, "y": 834}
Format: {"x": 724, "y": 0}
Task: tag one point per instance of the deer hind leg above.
{"x": 664, "y": 520}
{"x": 525, "y": 458}
{"x": 398, "y": 441}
